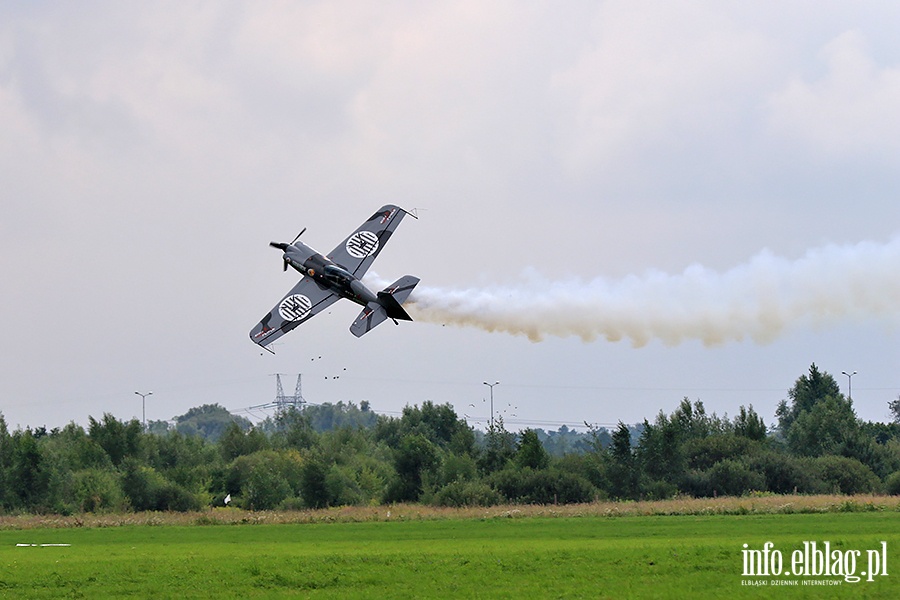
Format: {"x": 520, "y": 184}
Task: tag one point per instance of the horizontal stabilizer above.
{"x": 370, "y": 317}
{"x": 389, "y": 305}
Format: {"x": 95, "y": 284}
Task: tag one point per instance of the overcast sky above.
{"x": 677, "y": 199}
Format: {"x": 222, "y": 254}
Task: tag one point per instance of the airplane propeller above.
{"x": 282, "y": 246}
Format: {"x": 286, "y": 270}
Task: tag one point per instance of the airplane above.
{"x": 327, "y": 279}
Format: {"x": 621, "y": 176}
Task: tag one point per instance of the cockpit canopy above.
{"x": 337, "y": 274}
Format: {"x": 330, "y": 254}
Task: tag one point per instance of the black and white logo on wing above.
{"x": 294, "y": 308}
{"x": 362, "y": 244}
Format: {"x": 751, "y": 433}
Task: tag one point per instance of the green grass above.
{"x": 563, "y": 557}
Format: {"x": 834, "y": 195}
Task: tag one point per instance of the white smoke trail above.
{"x": 758, "y": 299}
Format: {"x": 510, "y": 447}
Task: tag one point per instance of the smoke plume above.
{"x": 756, "y": 300}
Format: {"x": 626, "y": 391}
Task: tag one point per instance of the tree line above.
{"x": 344, "y": 454}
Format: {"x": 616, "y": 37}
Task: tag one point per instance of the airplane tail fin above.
{"x": 388, "y": 306}
{"x": 393, "y": 296}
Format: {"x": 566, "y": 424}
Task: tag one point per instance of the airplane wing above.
{"x": 305, "y": 300}
{"x": 359, "y": 250}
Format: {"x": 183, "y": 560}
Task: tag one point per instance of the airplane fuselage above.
{"x": 327, "y": 274}
{"x": 326, "y": 278}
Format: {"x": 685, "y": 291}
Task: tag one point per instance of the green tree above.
{"x": 530, "y": 452}
{"x": 291, "y": 428}
{"x": 622, "y": 471}
{"x": 209, "y": 421}
{"x": 119, "y": 440}
{"x": 313, "y": 486}
{"x": 499, "y": 449}
{"x": 414, "y": 457}
{"x": 659, "y": 450}
{"x": 824, "y": 428}
{"x": 749, "y": 424}
{"x": 27, "y": 476}
{"x": 158, "y": 427}
{"x": 74, "y": 449}
{"x": 6, "y": 491}
{"x": 235, "y": 441}
{"x": 568, "y": 441}
{"x": 692, "y": 421}
{"x": 327, "y": 416}
{"x": 437, "y": 423}
{"x": 186, "y": 460}
{"x": 807, "y": 391}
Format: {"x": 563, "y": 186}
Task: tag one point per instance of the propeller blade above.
{"x": 282, "y": 246}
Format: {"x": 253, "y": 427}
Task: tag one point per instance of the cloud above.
{"x": 850, "y": 112}
{"x": 656, "y": 74}
{"x": 149, "y": 151}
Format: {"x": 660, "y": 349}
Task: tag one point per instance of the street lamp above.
{"x": 491, "y": 385}
{"x": 144, "y": 406}
{"x": 849, "y": 384}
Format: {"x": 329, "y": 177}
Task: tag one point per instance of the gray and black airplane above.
{"x": 326, "y": 279}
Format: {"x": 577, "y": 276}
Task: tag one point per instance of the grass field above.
{"x": 691, "y": 555}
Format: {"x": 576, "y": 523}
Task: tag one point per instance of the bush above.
{"x": 148, "y": 490}
{"x": 589, "y": 466}
{"x": 174, "y": 497}
{"x": 845, "y": 475}
{"x": 734, "y": 478}
{"x": 457, "y": 467}
{"x": 466, "y": 493}
{"x": 292, "y": 503}
{"x": 785, "y": 474}
{"x": 703, "y": 453}
{"x": 265, "y": 489}
{"x": 892, "y": 484}
{"x": 141, "y": 485}
{"x": 696, "y": 483}
{"x": 95, "y": 490}
{"x": 272, "y": 475}
{"x": 658, "y": 490}
{"x": 343, "y": 490}
{"x": 544, "y": 486}
{"x": 569, "y": 488}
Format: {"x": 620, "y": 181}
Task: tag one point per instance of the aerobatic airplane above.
{"x": 326, "y": 279}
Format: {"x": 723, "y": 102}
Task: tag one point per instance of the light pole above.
{"x": 491, "y": 385}
{"x": 849, "y": 384}
{"x": 144, "y": 406}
